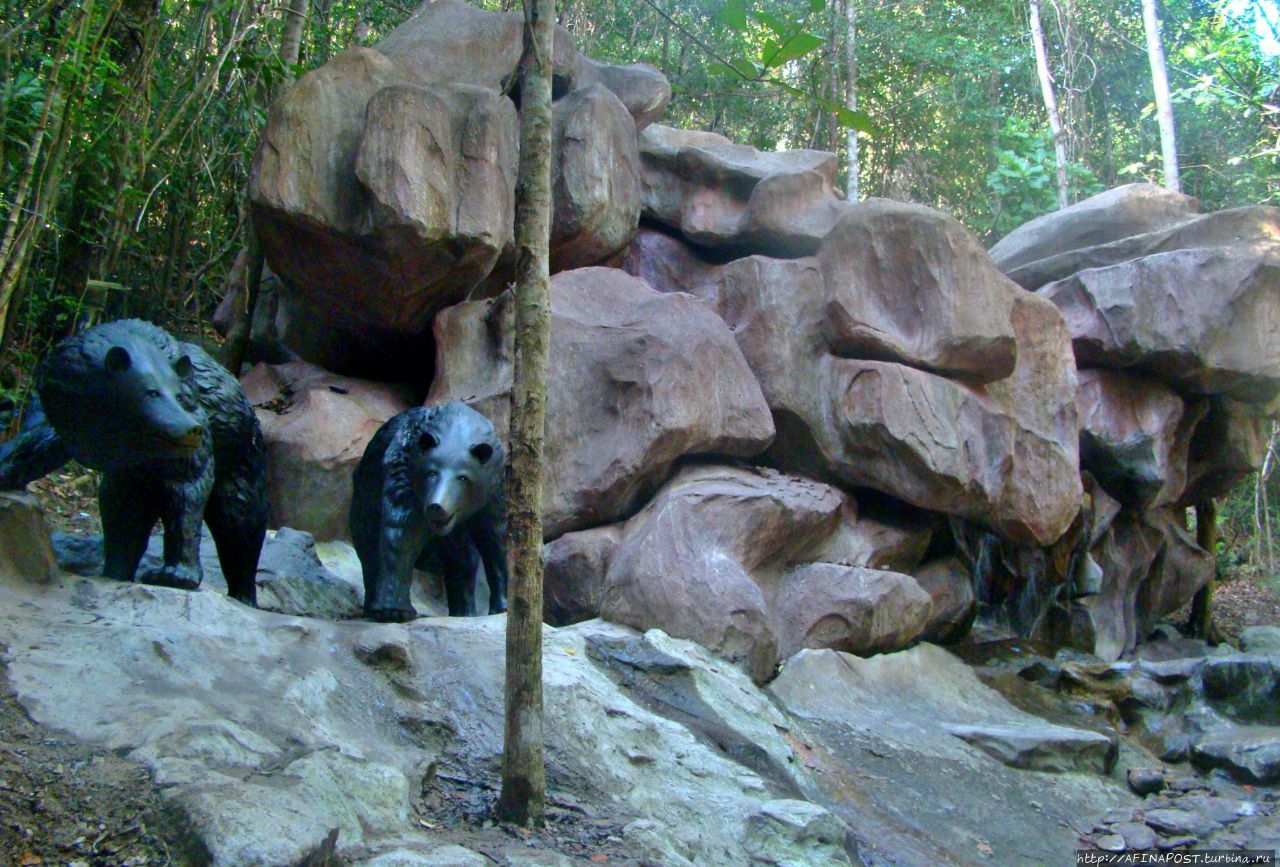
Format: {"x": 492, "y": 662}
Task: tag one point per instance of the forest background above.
{"x": 129, "y": 126}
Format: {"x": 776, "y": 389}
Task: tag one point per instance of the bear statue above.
{"x": 176, "y": 441}
{"x": 428, "y": 493}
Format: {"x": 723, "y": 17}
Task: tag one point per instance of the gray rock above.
{"x": 887, "y": 717}
{"x": 1244, "y": 686}
{"x": 1260, "y": 639}
{"x": 1132, "y": 209}
{"x": 1111, "y": 843}
{"x": 1249, "y": 754}
{"x": 1176, "y": 822}
{"x": 1137, "y": 836}
{"x": 1041, "y": 747}
{"x": 291, "y": 579}
{"x": 1207, "y": 230}
{"x": 442, "y": 856}
{"x": 789, "y": 833}
{"x": 235, "y": 711}
{"x": 1145, "y": 781}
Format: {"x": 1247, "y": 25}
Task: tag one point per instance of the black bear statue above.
{"x": 428, "y": 493}
{"x": 176, "y": 441}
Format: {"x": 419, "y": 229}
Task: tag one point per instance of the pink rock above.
{"x": 316, "y": 425}
{"x": 638, "y": 380}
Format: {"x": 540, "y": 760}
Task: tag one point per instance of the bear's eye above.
{"x": 431, "y": 474}
{"x": 153, "y": 393}
{"x": 465, "y": 479}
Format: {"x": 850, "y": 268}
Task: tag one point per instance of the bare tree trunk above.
{"x": 1201, "y": 620}
{"x": 295, "y": 19}
{"x": 524, "y": 786}
{"x": 1164, "y": 105}
{"x": 240, "y": 331}
{"x": 852, "y": 192}
{"x": 1050, "y": 105}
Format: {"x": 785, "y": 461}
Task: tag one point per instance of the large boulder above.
{"x": 1235, "y": 226}
{"x": 266, "y": 732}
{"x": 888, "y": 717}
{"x": 877, "y": 538}
{"x": 1151, "y": 567}
{"x": 905, "y": 283}
{"x": 316, "y": 426}
{"x": 1133, "y": 209}
{"x": 639, "y": 380}
{"x": 882, "y": 371}
{"x": 1134, "y": 436}
{"x": 734, "y": 198}
{"x": 1229, "y": 443}
{"x": 383, "y": 189}
{"x": 594, "y": 178}
{"x": 1204, "y": 319}
{"x": 380, "y": 199}
{"x": 726, "y": 557}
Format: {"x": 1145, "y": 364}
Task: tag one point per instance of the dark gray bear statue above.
{"x": 176, "y": 441}
{"x": 428, "y": 492}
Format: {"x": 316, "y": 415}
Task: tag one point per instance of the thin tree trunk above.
{"x": 295, "y": 19}
{"x": 1050, "y": 105}
{"x": 1201, "y": 621}
{"x": 1164, "y": 105}
{"x": 852, "y": 190}
{"x": 524, "y": 786}
{"x": 240, "y": 332}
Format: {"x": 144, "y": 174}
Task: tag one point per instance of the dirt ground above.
{"x": 63, "y": 803}
{"x": 67, "y": 804}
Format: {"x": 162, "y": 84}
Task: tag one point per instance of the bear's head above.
{"x": 120, "y": 394}
{"x": 455, "y": 464}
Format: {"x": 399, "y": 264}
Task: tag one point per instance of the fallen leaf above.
{"x": 569, "y": 651}
{"x": 984, "y": 849}
{"x": 599, "y": 858}
{"x": 30, "y": 859}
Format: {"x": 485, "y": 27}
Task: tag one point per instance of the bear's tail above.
{"x": 35, "y": 452}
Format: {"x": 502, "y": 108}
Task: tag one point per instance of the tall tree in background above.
{"x": 1050, "y": 104}
{"x": 1164, "y": 104}
{"x": 852, "y": 193}
{"x": 524, "y": 786}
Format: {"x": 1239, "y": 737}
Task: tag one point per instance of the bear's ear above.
{"x": 117, "y": 359}
{"x": 482, "y": 452}
{"x": 427, "y": 441}
{"x": 183, "y": 366}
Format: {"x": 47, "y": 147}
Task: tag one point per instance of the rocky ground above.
{"x": 62, "y": 802}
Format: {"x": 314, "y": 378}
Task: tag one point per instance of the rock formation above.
{"x": 945, "y": 430}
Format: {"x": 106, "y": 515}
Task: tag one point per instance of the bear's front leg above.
{"x": 129, "y": 505}
{"x": 399, "y": 544}
{"x": 182, "y": 511}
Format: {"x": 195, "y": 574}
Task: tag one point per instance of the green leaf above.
{"x": 798, "y": 46}
{"x": 782, "y": 28}
{"x": 739, "y": 67}
{"x": 733, "y": 15}
{"x": 845, "y": 117}
{"x": 816, "y": 6}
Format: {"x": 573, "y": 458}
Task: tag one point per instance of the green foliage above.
{"x": 1024, "y": 183}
